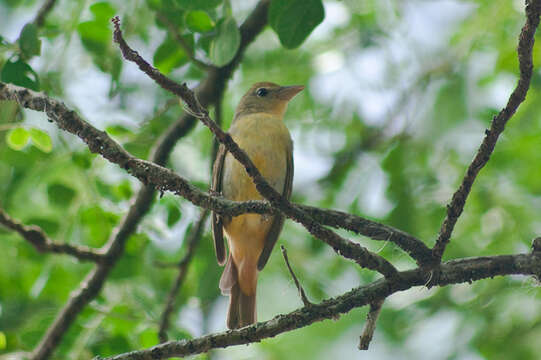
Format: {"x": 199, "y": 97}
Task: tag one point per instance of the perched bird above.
{"x": 259, "y": 130}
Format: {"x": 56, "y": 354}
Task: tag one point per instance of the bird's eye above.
{"x": 261, "y": 92}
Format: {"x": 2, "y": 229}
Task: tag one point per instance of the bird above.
{"x": 258, "y": 128}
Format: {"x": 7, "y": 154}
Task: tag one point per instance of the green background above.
{"x": 398, "y": 95}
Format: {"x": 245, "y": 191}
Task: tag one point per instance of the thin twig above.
{"x": 43, "y": 11}
{"x": 341, "y": 246}
{"x": 536, "y": 245}
{"x": 452, "y": 272}
{"x": 191, "y": 245}
{"x": 370, "y": 325}
{"x": 302, "y": 294}
{"x": 42, "y": 243}
{"x": 173, "y": 30}
{"x": 524, "y": 51}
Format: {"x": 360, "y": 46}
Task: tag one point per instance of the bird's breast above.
{"x": 267, "y": 142}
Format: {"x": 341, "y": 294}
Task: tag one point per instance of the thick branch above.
{"x": 452, "y": 272}
{"x": 376, "y": 231}
{"x": 191, "y": 244}
{"x": 37, "y": 237}
{"x": 524, "y": 50}
{"x": 346, "y": 248}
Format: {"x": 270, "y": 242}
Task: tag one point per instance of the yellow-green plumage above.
{"x": 259, "y": 130}
{"x": 267, "y": 142}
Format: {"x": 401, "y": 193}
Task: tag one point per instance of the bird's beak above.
{"x": 288, "y": 92}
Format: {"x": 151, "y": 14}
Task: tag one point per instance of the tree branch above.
{"x": 341, "y": 246}
{"x": 207, "y": 92}
{"x": 452, "y": 272}
{"x": 376, "y": 231}
{"x": 370, "y": 325}
{"x": 524, "y": 51}
{"x": 191, "y": 244}
{"x": 41, "y": 242}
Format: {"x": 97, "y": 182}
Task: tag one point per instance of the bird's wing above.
{"x": 278, "y": 222}
{"x": 217, "y": 220}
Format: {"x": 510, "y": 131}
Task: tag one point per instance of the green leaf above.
{"x": 198, "y": 4}
{"x": 50, "y": 226}
{"x": 96, "y": 224}
{"x": 173, "y": 15}
{"x": 41, "y": 140}
{"x": 155, "y": 5}
{"x": 169, "y": 56}
{"x": 118, "y": 130}
{"x": 82, "y": 159}
{"x": 399, "y": 189}
{"x": 96, "y": 36}
{"x": 294, "y": 20}
{"x": 17, "y": 138}
{"x": 60, "y": 194}
{"x": 148, "y": 337}
{"x": 173, "y": 215}
{"x": 3, "y": 341}
{"x": 103, "y": 11}
{"x": 123, "y": 190}
{"x": 28, "y": 41}
{"x": 224, "y": 46}
{"x": 451, "y": 104}
{"x": 104, "y": 189}
{"x": 20, "y": 73}
{"x": 199, "y": 21}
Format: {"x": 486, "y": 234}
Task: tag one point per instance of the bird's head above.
{"x": 266, "y": 97}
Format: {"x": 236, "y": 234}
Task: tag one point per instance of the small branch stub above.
{"x": 302, "y": 294}
{"x": 536, "y": 245}
{"x": 370, "y": 325}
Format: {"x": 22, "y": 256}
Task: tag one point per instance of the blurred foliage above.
{"x": 398, "y": 96}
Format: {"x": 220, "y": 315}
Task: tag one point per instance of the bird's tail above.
{"x": 242, "y": 307}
